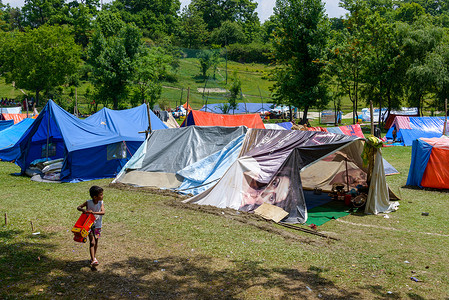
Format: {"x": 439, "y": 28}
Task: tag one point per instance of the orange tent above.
{"x": 16, "y": 117}
{"x": 201, "y": 118}
{"x": 185, "y": 106}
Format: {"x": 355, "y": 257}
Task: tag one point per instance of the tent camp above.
{"x": 200, "y": 118}
{"x": 9, "y": 150}
{"x": 261, "y": 165}
{"x": 97, "y": 147}
{"x": 409, "y": 129}
{"x": 428, "y": 166}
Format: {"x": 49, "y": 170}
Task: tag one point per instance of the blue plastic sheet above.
{"x": 420, "y": 157}
{"x": 84, "y": 143}
{"x": 9, "y": 137}
{"x": 201, "y": 175}
{"x": 6, "y": 124}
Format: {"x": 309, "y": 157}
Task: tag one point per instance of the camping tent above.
{"x": 97, "y": 147}
{"x": 409, "y": 129}
{"x": 15, "y": 117}
{"x": 405, "y": 111}
{"x": 168, "y": 151}
{"x": 263, "y": 164}
{"x": 201, "y": 118}
{"x": 11, "y": 110}
{"x": 9, "y": 151}
{"x": 428, "y": 166}
{"x": 5, "y": 124}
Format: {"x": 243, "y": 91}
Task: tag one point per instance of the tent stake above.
{"x": 32, "y": 226}
{"x": 6, "y": 219}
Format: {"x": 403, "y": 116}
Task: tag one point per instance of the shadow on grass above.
{"x": 169, "y": 277}
{"x": 28, "y": 273}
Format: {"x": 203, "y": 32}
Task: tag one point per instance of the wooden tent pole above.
{"x": 445, "y": 116}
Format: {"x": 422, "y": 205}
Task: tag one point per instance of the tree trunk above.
{"x": 115, "y": 102}
{"x": 304, "y": 117}
{"x": 37, "y": 97}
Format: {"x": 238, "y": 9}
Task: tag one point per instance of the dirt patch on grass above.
{"x": 175, "y": 200}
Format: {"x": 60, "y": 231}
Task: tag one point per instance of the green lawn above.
{"x": 154, "y": 247}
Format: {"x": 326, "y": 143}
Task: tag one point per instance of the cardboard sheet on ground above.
{"x": 271, "y": 212}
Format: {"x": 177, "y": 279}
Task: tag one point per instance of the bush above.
{"x": 250, "y": 53}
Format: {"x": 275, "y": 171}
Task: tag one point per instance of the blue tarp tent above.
{"x": 242, "y": 108}
{"x": 94, "y": 148}
{"x": 409, "y": 129}
{"x": 6, "y": 124}
{"x": 9, "y": 151}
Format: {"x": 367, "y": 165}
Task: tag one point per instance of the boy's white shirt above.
{"x": 95, "y": 208}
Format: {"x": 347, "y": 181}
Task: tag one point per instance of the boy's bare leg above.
{"x": 93, "y": 246}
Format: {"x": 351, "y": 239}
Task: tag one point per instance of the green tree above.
{"x": 205, "y": 59}
{"x": 156, "y": 18}
{"x": 347, "y": 52}
{"x": 235, "y": 91}
{"x": 112, "y": 54}
{"x": 384, "y": 70}
{"x": 299, "y": 47}
{"x": 228, "y": 33}
{"x": 215, "y": 12}
{"x": 38, "y": 12}
{"x": 40, "y": 59}
{"x": 192, "y": 32}
{"x": 152, "y": 67}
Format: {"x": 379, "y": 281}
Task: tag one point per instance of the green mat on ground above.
{"x": 324, "y": 213}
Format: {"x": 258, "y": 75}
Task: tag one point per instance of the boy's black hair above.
{"x": 95, "y": 191}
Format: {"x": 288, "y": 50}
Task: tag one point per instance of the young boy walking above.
{"x": 95, "y": 207}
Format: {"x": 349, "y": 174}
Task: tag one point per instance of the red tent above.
{"x": 201, "y": 118}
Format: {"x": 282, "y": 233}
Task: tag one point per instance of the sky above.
{"x": 264, "y": 9}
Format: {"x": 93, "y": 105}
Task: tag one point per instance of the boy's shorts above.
{"x": 96, "y": 232}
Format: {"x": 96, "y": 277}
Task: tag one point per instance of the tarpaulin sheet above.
{"x": 200, "y": 118}
{"x": 268, "y": 171}
{"x": 242, "y": 108}
{"x": 11, "y": 110}
{"x": 86, "y": 143}
{"x": 286, "y": 125}
{"x": 15, "y": 117}
{"x": 173, "y": 149}
{"x": 9, "y": 151}
{"x": 201, "y": 175}
{"x": 428, "y": 167}
{"x": 6, "y": 124}
{"x": 411, "y": 128}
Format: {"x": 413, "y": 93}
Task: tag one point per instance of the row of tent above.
{"x": 232, "y": 167}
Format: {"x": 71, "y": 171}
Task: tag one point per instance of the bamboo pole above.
{"x": 445, "y": 116}
{"x": 371, "y": 112}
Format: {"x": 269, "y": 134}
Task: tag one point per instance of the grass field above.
{"x": 152, "y": 247}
